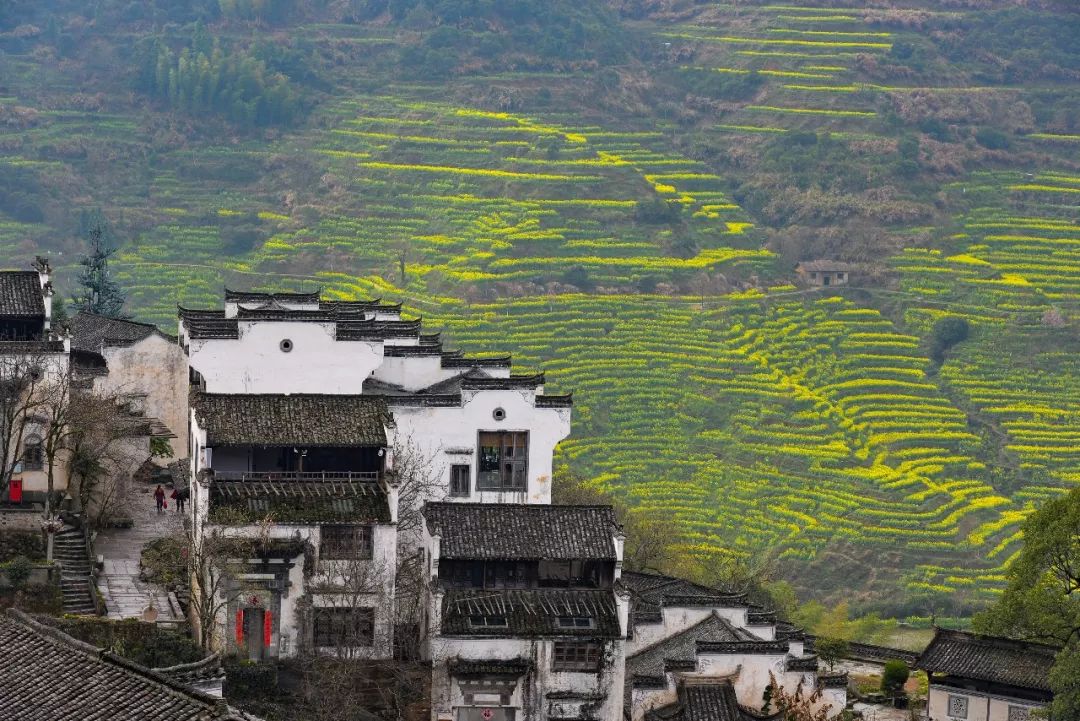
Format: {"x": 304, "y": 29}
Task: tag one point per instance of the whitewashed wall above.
{"x": 676, "y": 619}
{"x": 981, "y": 706}
{"x": 255, "y": 363}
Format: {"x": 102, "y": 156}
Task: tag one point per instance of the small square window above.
{"x": 1019, "y": 713}
{"x": 343, "y": 627}
{"x": 460, "y": 477}
{"x": 958, "y": 707}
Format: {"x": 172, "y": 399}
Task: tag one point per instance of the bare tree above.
{"x": 797, "y": 704}
{"x": 21, "y": 379}
{"x": 215, "y": 562}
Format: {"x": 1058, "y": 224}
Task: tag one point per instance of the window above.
{"x": 32, "y": 457}
{"x": 576, "y": 656}
{"x": 958, "y": 707}
{"x": 1019, "y": 713}
{"x": 575, "y": 622}
{"x": 459, "y": 480}
{"x": 487, "y": 621}
{"x": 344, "y": 627}
{"x": 345, "y": 542}
{"x": 503, "y": 460}
{"x": 568, "y": 574}
{"x": 505, "y": 574}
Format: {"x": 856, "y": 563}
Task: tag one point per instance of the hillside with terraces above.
{"x": 624, "y": 206}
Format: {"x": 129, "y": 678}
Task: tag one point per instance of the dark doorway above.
{"x": 253, "y": 633}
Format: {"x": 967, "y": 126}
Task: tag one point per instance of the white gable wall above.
{"x": 255, "y": 363}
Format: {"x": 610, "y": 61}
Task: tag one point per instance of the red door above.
{"x": 15, "y": 490}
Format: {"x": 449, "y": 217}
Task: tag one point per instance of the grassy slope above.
{"x": 808, "y": 424}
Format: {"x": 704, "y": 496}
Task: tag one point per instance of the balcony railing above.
{"x": 357, "y": 476}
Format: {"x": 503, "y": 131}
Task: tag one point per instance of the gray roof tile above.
{"x": 530, "y": 612}
{"x": 504, "y": 531}
{"x": 20, "y": 294}
{"x": 292, "y": 420}
{"x": 986, "y": 658}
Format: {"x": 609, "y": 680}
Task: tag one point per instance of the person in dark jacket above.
{"x": 159, "y": 499}
{"x": 179, "y": 497}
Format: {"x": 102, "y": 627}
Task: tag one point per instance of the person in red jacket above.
{"x": 159, "y": 498}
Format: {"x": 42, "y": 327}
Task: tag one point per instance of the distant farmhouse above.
{"x": 824, "y": 273}
{"x": 982, "y": 678}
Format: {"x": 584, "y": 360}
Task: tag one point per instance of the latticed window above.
{"x": 33, "y": 458}
{"x": 576, "y": 656}
{"x": 1019, "y": 713}
{"x": 958, "y": 707}
{"x": 346, "y": 542}
{"x": 344, "y": 627}
{"x": 504, "y": 460}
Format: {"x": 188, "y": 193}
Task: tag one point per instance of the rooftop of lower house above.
{"x": 706, "y": 700}
{"x": 59, "y": 677}
{"x": 825, "y": 266}
{"x": 1019, "y": 664}
{"x": 93, "y": 332}
{"x": 650, "y": 592}
{"x": 519, "y": 532}
{"x": 530, "y": 613}
{"x": 20, "y": 295}
{"x": 679, "y": 652}
{"x": 298, "y": 501}
{"x": 308, "y": 420}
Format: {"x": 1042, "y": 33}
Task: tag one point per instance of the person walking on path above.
{"x": 178, "y": 499}
{"x": 159, "y": 498}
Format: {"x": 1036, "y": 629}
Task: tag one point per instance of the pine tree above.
{"x": 98, "y": 292}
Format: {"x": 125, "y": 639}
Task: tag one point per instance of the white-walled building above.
{"x": 983, "y": 678}
{"x": 32, "y": 360}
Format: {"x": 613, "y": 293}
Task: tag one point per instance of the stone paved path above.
{"x": 125, "y": 594}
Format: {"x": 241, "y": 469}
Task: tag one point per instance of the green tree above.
{"x": 830, "y": 650}
{"x": 894, "y": 677}
{"x": 98, "y": 292}
{"x": 947, "y": 332}
{"x": 1042, "y": 599}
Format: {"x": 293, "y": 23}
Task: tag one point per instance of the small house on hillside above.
{"x": 824, "y": 272}
{"x": 982, "y": 678}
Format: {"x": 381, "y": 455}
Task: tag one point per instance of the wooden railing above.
{"x": 368, "y": 476}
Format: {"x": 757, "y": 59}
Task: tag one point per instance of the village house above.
{"x": 32, "y": 358}
{"x": 983, "y": 678}
{"x": 824, "y": 273}
{"x": 307, "y": 418}
{"x": 526, "y": 618}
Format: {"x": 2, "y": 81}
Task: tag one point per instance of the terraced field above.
{"x": 757, "y": 415}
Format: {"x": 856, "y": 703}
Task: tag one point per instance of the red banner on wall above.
{"x": 240, "y": 627}
{"x": 268, "y": 627}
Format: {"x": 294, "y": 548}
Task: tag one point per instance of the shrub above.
{"x": 947, "y": 332}
{"x": 19, "y": 571}
{"x": 894, "y": 677}
{"x": 992, "y": 139}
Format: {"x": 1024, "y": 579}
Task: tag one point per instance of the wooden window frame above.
{"x": 463, "y": 472}
{"x": 575, "y": 656}
{"x": 512, "y": 470}
{"x": 575, "y": 622}
{"x": 361, "y": 545}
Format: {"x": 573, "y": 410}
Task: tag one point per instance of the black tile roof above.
{"x": 254, "y": 296}
{"x": 530, "y": 612}
{"x": 31, "y": 346}
{"x": 504, "y": 531}
{"x": 514, "y": 382}
{"x": 546, "y": 401}
{"x": 682, "y": 648}
{"x": 292, "y": 501}
{"x": 292, "y": 420}
{"x": 704, "y": 700}
{"x": 466, "y": 668}
{"x": 91, "y": 332}
{"x": 1019, "y": 664}
{"x": 650, "y": 592}
{"x": 50, "y": 676}
{"x": 20, "y": 294}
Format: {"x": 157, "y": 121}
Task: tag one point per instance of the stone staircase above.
{"x": 69, "y": 548}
